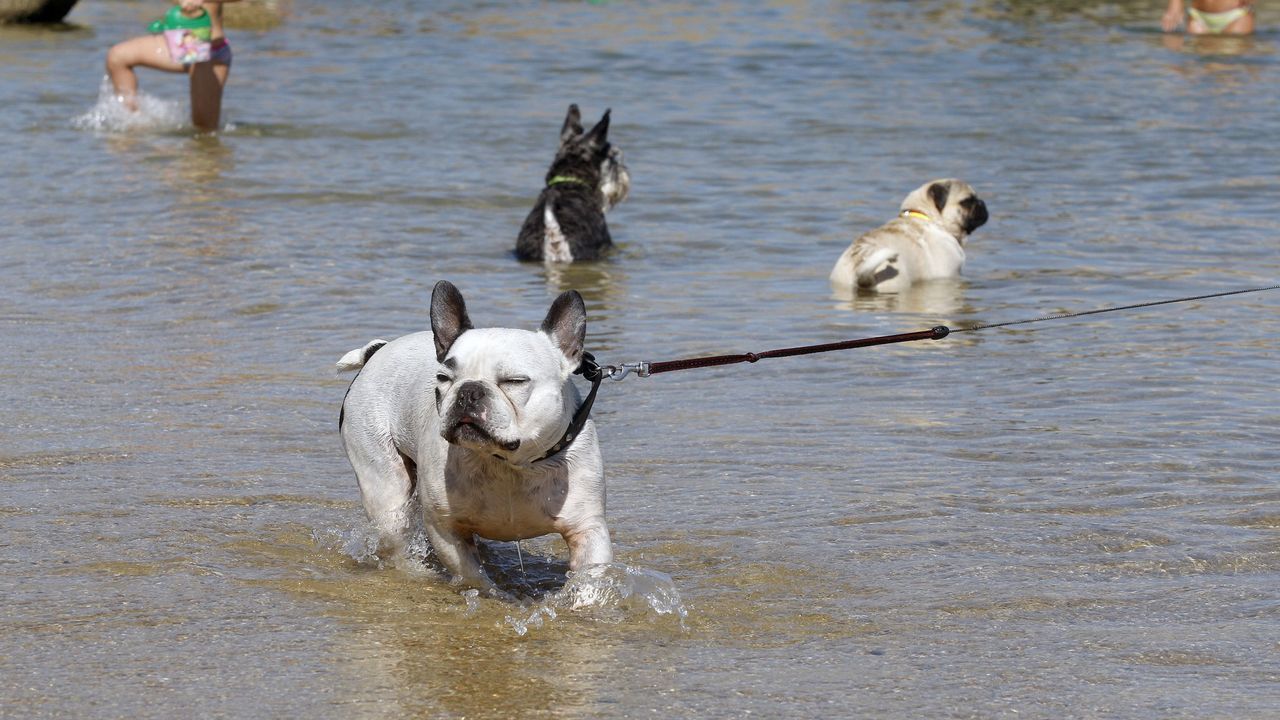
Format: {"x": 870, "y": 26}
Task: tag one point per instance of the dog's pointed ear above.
{"x": 572, "y": 127}
{"x": 566, "y": 325}
{"x": 599, "y": 135}
{"x": 448, "y": 317}
{"x": 938, "y": 193}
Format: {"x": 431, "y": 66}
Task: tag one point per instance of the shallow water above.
{"x": 1072, "y": 519}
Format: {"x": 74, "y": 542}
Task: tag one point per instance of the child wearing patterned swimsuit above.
{"x": 207, "y": 78}
{"x": 1210, "y": 17}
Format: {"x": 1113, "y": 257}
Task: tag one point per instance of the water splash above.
{"x": 361, "y": 544}
{"x": 522, "y": 626}
{"x": 154, "y": 114}
{"x": 611, "y": 593}
{"x": 472, "y": 598}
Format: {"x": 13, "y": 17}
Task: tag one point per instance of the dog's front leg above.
{"x": 462, "y": 559}
{"x": 589, "y": 544}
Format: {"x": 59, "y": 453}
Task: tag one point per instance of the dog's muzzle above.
{"x": 469, "y": 419}
{"x": 977, "y": 216}
{"x": 615, "y": 181}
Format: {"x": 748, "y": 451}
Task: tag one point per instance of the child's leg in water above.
{"x": 207, "y": 78}
{"x": 147, "y": 51}
{"x": 207, "y": 81}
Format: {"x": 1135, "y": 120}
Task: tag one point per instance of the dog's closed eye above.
{"x": 514, "y": 381}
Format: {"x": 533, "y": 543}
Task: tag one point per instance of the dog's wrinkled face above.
{"x": 951, "y": 203}
{"x": 581, "y": 149}
{"x": 502, "y": 391}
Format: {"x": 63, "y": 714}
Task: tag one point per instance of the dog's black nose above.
{"x": 471, "y": 394}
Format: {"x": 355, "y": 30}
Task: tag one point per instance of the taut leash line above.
{"x": 936, "y": 333}
{"x": 1153, "y": 303}
{"x": 645, "y": 369}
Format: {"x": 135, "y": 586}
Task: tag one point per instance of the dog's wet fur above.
{"x": 585, "y": 180}
{"x": 926, "y": 241}
{"x": 463, "y": 427}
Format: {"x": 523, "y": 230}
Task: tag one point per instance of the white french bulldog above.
{"x": 479, "y": 423}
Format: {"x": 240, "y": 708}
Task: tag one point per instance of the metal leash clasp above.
{"x": 619, "y": 372}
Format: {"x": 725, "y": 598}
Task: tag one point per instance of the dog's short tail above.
{"x": 867, "y": 271}
{"x": 356, "y": 359}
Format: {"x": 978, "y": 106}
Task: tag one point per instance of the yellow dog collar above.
{"x": 914, "y": 214}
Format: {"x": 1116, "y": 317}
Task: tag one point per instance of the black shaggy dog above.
{"x": 585, "y": 180}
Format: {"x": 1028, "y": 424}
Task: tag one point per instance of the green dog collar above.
{"x": 565, "y": 179}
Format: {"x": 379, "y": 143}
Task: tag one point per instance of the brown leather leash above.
{"x": 936, "y": 333}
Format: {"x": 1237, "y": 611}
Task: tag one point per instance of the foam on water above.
{"x": 360, "y": 544}
{"x": 611, "y": 593}
{"x": 153, "y": 114}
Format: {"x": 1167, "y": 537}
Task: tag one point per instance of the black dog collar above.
{"x": 590, "y": 370}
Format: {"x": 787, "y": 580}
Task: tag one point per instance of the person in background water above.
{"x": 1210, "y": 17}
{"x": 207, "y": 78}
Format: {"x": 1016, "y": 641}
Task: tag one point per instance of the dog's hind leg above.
{"x": 876, "y": 268}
